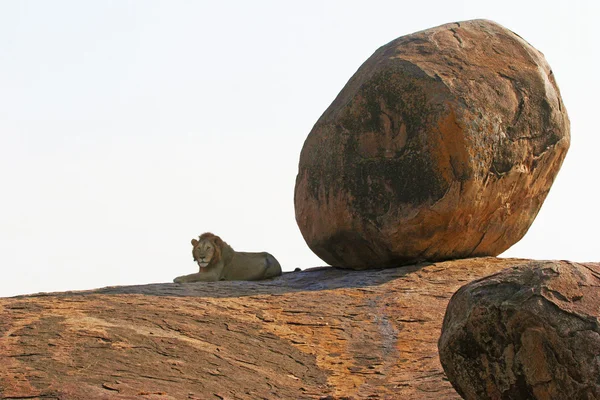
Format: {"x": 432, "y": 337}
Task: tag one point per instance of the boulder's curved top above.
{"x": 444, "y": 144}
{"x": 528, "y": 332}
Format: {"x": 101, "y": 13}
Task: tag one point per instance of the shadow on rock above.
{"x": 313, "y": 279}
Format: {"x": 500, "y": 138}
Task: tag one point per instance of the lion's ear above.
{"x": 194, "y": 242}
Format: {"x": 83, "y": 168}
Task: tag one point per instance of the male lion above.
{"x": 219, "y": 262}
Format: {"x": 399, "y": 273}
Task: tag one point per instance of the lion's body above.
{"x": 219, "y": 262}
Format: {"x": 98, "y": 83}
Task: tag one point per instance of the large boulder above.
{"x": 529, "y": 332}
{"x": 444, "y": 144}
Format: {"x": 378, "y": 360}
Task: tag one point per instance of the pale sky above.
{"x": 129, "y": 127}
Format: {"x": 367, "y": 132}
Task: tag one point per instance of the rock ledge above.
{"x": 324, "y": 332}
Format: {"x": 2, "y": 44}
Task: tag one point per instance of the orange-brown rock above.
{"x": 323, "y": 332}
{"x": 529, "y": 332}
{"x": 443, "y": 145}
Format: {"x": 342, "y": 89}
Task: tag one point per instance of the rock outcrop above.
{"x": 529, "y": 332}
{"x": 323, "y": 332}
{"x": 443, "y": 145}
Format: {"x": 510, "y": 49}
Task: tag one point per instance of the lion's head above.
{"x": 207, "y": 251}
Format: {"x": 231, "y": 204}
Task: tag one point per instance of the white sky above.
{"x": 129, "y": 127}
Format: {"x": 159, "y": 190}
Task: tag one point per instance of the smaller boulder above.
{"x": 528, "y": 332}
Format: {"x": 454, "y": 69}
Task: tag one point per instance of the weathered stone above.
{"x": 322, "y": 332}
{"x": 529, "y": 332}
{"x": 443, "y": 145}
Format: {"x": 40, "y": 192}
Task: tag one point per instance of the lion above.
{"x": 219, "y": 262}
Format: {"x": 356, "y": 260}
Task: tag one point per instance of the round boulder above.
{"x": 443, "y": 145}
{"x": 528, "y": 332}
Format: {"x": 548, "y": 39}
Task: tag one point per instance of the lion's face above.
{"x": 207, "y": 250}
{"x": 203, "y": 253}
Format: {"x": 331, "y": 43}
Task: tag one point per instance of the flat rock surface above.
{"x": 311, "y": 334}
